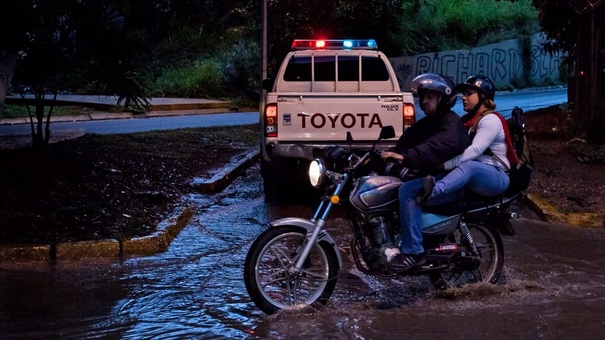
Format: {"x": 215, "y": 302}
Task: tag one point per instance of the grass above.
{"x": 454, "y": 24}
{"x": 20, "y": 111}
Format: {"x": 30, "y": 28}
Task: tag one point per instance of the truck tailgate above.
{"x": 329, "y": 117}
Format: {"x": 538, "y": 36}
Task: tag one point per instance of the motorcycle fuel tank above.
{"x": 376, "y": 194}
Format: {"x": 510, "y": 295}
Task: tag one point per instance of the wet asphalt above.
{"x": 553, "y": 287}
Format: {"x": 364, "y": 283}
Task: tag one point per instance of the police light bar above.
{"x": 334, "y": 44}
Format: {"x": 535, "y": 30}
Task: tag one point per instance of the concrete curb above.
{"x": 547, "y": 212}
{"x": 219, "y": 180}
{"x": 147, "y": 245}
{"x": 100, "y": 115}
{"x": 157, "y": 242}
{"x": 102, "y": 102}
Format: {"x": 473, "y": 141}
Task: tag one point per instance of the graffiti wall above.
{"x": 502, "y": 62}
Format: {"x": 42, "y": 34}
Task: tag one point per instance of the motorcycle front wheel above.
{"x": 271, "y": 279}
{"x": 485, "y": 266}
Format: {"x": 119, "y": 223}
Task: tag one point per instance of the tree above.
{"x": 112, "y": 46}
{"x": 380, "y": 20}
{"x": 7, "y": 67}
{"x": 14, "y": 22}
{"x": 576, "y": 28}
{"x": 60, "y": 44}
{"x": 45, "y": 54}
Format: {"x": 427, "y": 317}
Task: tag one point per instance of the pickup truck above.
{"x": 322, "y": 90}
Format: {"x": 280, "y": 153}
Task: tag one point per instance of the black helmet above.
{"x": 437, "y": 83}
{"x": 480, "y": 83}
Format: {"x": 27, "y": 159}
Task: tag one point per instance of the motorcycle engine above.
{"x": 379, "y": 233}
{"x": 380, "y": 228}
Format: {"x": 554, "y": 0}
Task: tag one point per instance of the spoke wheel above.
{"x": 486, "y": 268}
{"x": 271, "y": 279}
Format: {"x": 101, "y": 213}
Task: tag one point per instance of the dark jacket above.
{"x": 431, "y": 141}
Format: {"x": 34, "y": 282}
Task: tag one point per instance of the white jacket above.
{"x": 490, "y": 134}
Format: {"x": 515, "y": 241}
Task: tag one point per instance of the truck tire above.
{"x": 285, "y": 181}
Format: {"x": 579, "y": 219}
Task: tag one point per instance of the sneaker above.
{"x": 389, "y": 252}
{"x": 427, "y": 189}
{"x": 402, "y": 263}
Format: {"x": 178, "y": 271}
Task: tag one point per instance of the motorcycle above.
{"x": 295, "y": 263}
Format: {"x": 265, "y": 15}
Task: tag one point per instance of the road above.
{"x": 526, "y": 99}
{"x": 529, "y": 99}
{"x": 116, "y": 126}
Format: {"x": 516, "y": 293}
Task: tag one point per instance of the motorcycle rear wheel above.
{"x": 270, "y": 281}
{"x": 490, "y": 251}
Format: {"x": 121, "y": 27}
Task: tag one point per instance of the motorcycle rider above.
{"x": 481, "y": 173}
{"x": 426, "y": 146}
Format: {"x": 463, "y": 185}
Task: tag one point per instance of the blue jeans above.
{"x": 480, "y": 178}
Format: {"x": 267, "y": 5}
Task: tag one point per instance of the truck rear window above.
{"x": 372, "y": 69}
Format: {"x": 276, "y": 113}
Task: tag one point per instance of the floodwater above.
{"x": 554, "y": 288}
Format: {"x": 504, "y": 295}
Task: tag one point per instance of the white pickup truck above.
{"x": 324, "y": 89}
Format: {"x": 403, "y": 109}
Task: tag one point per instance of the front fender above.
{"x": 309, "y": 226}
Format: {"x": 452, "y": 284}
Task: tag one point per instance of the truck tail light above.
{"x": 271, "y": 120}
{"x": 409, "y": 115}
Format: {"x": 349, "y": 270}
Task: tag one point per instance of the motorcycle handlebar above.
{"x": 363, "y": 160}
{"x": 390, "y": 168}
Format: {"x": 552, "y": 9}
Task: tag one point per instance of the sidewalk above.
{"x": 102, "y": 104}
{"x": 106, "y": 102}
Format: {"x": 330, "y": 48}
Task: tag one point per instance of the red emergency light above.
{"x": 334, "y": 44}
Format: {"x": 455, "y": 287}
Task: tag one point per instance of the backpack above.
{"x": 520, "y": 175}
{"x": 523, "y": 164}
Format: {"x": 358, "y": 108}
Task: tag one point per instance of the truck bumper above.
{"x": 292, "y": 151}
{"x": 309, "y": 151}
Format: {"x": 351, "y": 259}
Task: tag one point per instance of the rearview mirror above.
{"x": 267, "y": 84}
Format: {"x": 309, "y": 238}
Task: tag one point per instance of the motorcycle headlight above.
{"x": 317, "y": 172}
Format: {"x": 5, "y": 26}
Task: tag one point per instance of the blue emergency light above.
{"x": 334, "y": 44}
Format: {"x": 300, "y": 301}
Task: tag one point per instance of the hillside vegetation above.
{"x": 213, "y": 49}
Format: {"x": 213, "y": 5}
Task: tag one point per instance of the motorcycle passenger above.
{"x": 476, "y": 169}
{"x": 426, "y": 145}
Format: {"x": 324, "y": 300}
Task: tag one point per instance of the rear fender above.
{"x": 309, "y": 226}
{"x": 502, "y": 223}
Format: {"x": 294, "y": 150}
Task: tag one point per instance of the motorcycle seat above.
{"x": 471, "y": 202}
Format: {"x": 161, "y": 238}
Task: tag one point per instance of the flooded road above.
{"x": 554, "y": 288}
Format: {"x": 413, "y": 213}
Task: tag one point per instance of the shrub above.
{"x": 454, "y": 24}
{"x": 242, "y": 65}
{"x": 201, "y": 79}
